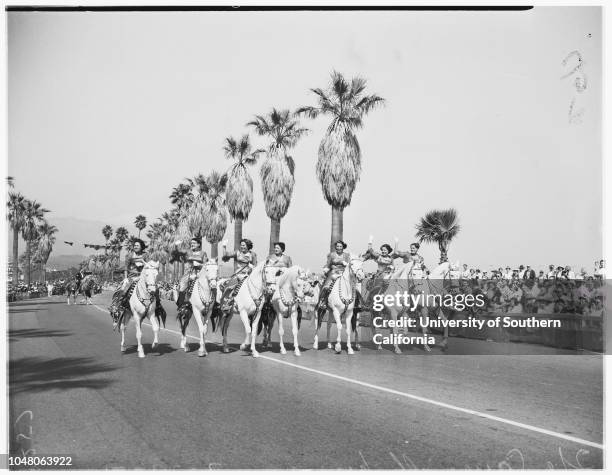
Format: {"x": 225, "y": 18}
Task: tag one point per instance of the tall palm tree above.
{"x": 33, "y": 216}
{"x": 181, "y": 195}
{"x": 140, "y": 222}
{"x": 183, "y": 198}
{"x": 121, "y": 234}
{"x": 107, "y": 232}
{"x": 339, "y": 163}
{"x": 208, "y": 213}
{"x": 439, "y": 226}
{"x": 277, "y": 170}
{"x": 10, "y": 181}
{"x": 46, "y": 234}
{"x": 239, "y": 195}
{"x": 16, "y": 207}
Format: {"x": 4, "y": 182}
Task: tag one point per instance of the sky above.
{"x": 108, "y": 112}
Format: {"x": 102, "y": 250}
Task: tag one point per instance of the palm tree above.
{"x": 107, "y": 232}
{"x": 16, "y": 207}
{"x": 181, "y": 195}
{"x": 339, "y": 164}
{"x": 239, "y": 195}
{"x": 278, "y": 168}
{"x": 46, "y": 233}
{"x": 33, "y": 216}
{"x": 207, "y": 214}
{"x": 10, "y": 181}
{"x": 439, "y": 226}
{"x": 121, "y": 235}
{"x": 140, "y": 222}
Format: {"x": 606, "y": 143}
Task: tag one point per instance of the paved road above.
{"x": 73, "y": 392}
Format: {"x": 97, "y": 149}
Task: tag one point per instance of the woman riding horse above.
{"x": 384, "y": 260}
{"x": 337, "y": 260}
{"x": 194, "y": 261}
{"x": 135, "y": 262}
{"x": 245, "y": 259}
{"x": 414, "y": 261}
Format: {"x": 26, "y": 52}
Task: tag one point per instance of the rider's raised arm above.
{"x": 396, "y": 253}
{"x": 253, "y": 259}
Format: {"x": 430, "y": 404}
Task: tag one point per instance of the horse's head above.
{"x": 295, "y": 278}
{"x": 270, "y": 277}
{"x": 357, "y": 267}
{"x": 210, "y": 270}
{"x": 149, "y": 275}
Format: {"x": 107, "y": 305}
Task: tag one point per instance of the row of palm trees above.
{"x": 201, "y": 204}
{"x": 27, "y": 219}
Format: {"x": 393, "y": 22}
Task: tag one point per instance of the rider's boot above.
{"x": 322, "y": 303}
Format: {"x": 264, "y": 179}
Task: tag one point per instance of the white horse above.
{"x": 340, "y": 303}
{"x": 413, "y": 281}
{"x": 248, "y": 303}
{"x": 201, "y": 300}
{"x": 285, "y": 300}
{"x": 142, "y": 304}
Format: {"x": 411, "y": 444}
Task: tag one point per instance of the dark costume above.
{"x": 334, "y": 267}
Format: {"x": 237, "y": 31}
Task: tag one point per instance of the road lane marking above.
{"x": 423, "y": 399}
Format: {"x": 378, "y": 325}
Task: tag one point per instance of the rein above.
{"x": 201, "y": 289}
{"x": 139, "y": 296}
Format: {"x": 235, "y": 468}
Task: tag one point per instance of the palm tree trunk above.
{"x": 214, "y": 250}
{"x": 274, "y": 233}
{"x": 237, "y": 232}
{"x": 443, "y": 245}
{"x": 337, "y": 226}
{"x": 27, "y": 276}
{"x": 15, "y": 256}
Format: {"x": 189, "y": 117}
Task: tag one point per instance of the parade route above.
{"x": 376, "y": 410}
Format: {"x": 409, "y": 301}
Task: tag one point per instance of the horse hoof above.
{"x": 141, "y": 354}
{"x": 426, "y": 348}
{"x": 243, "y": 347}
{"x": 283, "y": 351}
{"x": 379, "y": 347}
{"x": 357, "y": 347}
{"x": 350, "y": 351}
{"x": 268, "y": 346}
{"x": 225, "y": 349}
{"x": 202, "y": 353}
{"x": 329, "y": 346}
{"x": 154, "y": 345}
{"x": 297, "y": 352}
{"x": 338, "y": 348}
{"x": 398, "y": 351}
{"x": 315, "y": 347}
{"x": 122, "y": 349}
{"x": 255, "y": 354}
{"x": 186, "y": 348}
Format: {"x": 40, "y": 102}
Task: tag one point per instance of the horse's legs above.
{"x": 197, "y": 313}
{"x": 244, "y": 316}
{"x": 253, "y": 332}
{"x": 294, "y": 329}
{"x": 122, "y": 327}
{"x": 281, "y": 333}
{"x": 393, "y": 331}
{"x": 329, "y": 324}
{"x": 349, "y": 329}
{"x": 356, "y": 334}
{"x": 225, "y": 320}
{"x": 444, "y": 344}
{"x": 138, "y": 324}
{"x": 425, "y": 328}
{"x": 338, "y": 318}
{"x": 155, "y": 325}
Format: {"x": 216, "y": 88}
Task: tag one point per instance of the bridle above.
{"x": 352, "y": 276}
{"x": 150, "y": 290}
{"x": 205, "y": 302}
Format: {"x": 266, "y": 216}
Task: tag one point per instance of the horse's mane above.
{"x": 289, "y": 275}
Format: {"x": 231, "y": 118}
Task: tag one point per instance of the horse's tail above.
{"x": 356, "y": 310}
{"x": 184, "y": 314}
{"x": 299, "y": 316}
{"x": 215, "y": 316}
{"x": 267, "y": 317}
{"x": 160, "y": 312}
